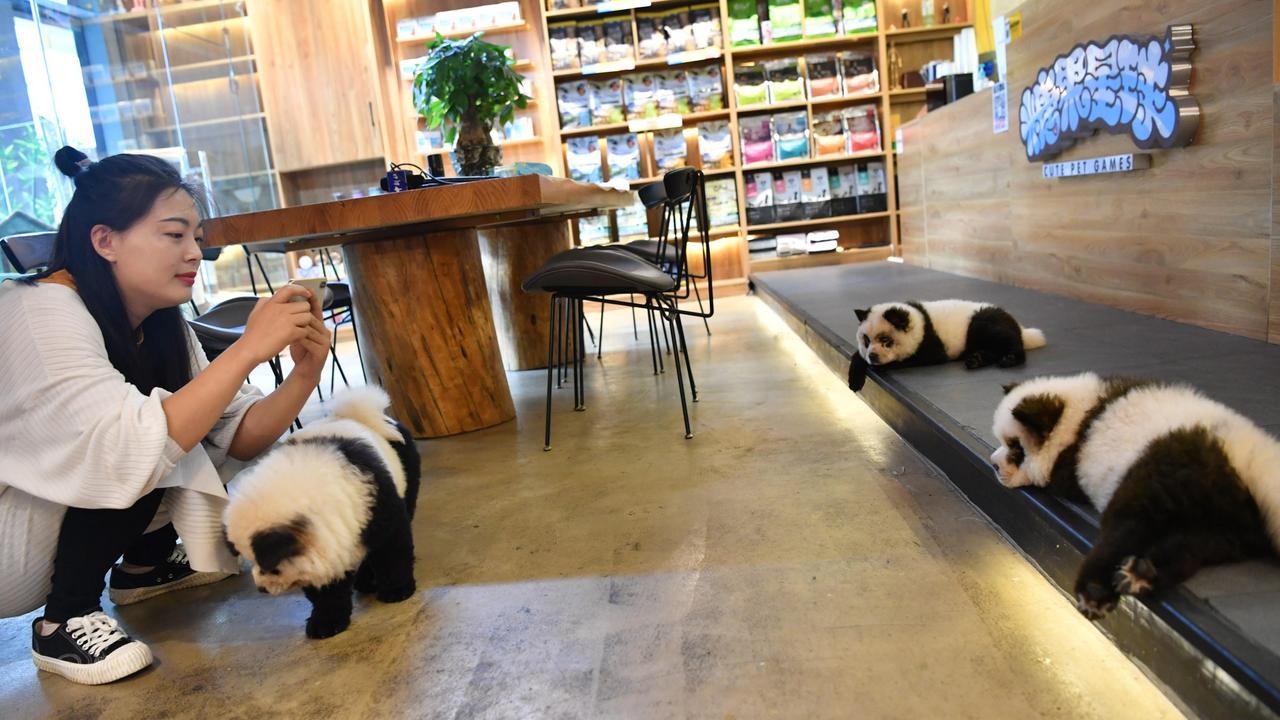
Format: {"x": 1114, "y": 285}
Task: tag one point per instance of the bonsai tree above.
{"x": 466, "y": 85}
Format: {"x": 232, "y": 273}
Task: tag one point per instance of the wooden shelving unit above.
{"x": 492, "y": 29}
{"x": 864, "y": 237}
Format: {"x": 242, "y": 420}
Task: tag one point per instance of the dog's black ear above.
{"x": 898, "y": 318}
{"x": 1039, "y": 414}
{"x": 274, "y": 546}
{"x": 857, "y": 372}
{"x": 862, "y": 314}
{"x": 231, "y": 547}
{"x": 1010, "y": 387}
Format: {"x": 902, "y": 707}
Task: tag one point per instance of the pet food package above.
{"x": 750, "y": 84}
{"x": 862, "y": 128}
{"x": 828, "y": 134}
{"x": 759, "y": 187}
{"x": 757, "y": 138}
{"x": 792, "y": 244}
{"x": 618, "y": 43}
{"x": 623, "y": 152}
{"x": 843, "y": 181}
{"x": 606, "y": 101}
{"x": 641, "y": 92}
{"x": 706, "y": 88}
{"x": 762, "y": 248}
{"x": 791, "y": 135}
{"x": 858, "y": 16}
{"x": 651, "y": 41}
{"x": 786, "y": 195}
{"x": 722, "y": 202}
{"x": 744, "y": 23}
{"x": 785, "y": 20}
{"x": 872, "y": 190}
{"x": 675, "y": 24}
{"x": 574, "y": 101}
{"x": 564, "y": 45}
{"x": 820, "y": 241}
{"x": 819, "y": 18}
{"x": 669, "y": 149}
{"x": 591, "y": 43}
{"x": 815, "y": 193}
{"x": 673, "y": 92}
{"x": 564, "y": 4}
{"x": 704, "y": 24}
{"x": 823, "y": 75}
{"x": 633, "y": 222}
{"x": 584, "y": 159}
{"x": 858, "y": 71}
{"x": 715, "y": 144}
{"x": 785, "y": 84}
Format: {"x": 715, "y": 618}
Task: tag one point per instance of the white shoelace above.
{"x": 95, "y": 632}
{"x": 179, "y": 555}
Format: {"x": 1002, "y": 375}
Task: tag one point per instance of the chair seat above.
{"x": 223, "y": 324}
{"x": 589, "y": 271}
{"x": 340, "y": 295}
{"x": 648, "y": 249}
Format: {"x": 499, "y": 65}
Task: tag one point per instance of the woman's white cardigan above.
{"x": 74, "y": 433}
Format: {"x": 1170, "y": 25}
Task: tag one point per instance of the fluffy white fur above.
{"x": 1079, "y": 394}
{"x": 950, "y": 321}
{"x": 315, "y": 482}
{"x": 1124, "y": 430}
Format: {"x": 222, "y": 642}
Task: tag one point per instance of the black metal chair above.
{"x": 601, "y": 274}
{"x": 29, "y": 252}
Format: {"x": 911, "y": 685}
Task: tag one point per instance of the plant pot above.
{"x": 474, "y": 152}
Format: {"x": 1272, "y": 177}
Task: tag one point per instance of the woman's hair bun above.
{"x": 68, "y": 160}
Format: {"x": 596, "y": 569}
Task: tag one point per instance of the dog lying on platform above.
{"x": 930, "y": 333}
{"x": 330, "y": 509}
{"x": 1181, "y": 481}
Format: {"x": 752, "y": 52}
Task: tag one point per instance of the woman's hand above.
{"x": 277, "y": 323}
{"x": 309, "y": 353}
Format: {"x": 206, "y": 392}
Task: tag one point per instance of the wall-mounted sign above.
{"x": 1097, "y": 165}
{"x": 1127, "y": 84}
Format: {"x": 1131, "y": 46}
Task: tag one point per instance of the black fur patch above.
{"x": 931, "y": 351}
{"x": 993, "y": 337}
{"x": 274, "y": 546}
{"x": 1017, "y": 453}
{"x": 862, "y": 314}
{"x": 1063, "y": 479}
{"x": 1010, "y": 387}
{"x": 411, "y": 461}
{"x": 1039, "y": 414}
{"x": 857, "y": 372}
{"x": 898, "y": 318}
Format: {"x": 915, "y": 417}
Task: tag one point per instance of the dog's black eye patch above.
{"x": 274, "y": 546}
{"x": 1016, "y": 453}
{"x": 866, "y": 341}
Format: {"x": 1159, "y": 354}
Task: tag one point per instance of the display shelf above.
{"x": 629, "y": 126}
{"x": 773, "y": 107}
{"x": 830, "y": 100}
{"x": 505, "y": 142}
{"x": 849, "y": 255}
{"x": 922, "y": 34}
{"x": 915, "y": 93}
{"x": 168, "y": 12}
{"x": 452, "y": 34}
{"x": 609, "y": 8}
{"x": 843, "y": 157}
{"x": 608, "y": 129}
{"x": 815, "y": 222}
{"x": 802, "y": 46}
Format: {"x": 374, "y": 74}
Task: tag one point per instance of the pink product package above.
{"x": 757, "y": 139}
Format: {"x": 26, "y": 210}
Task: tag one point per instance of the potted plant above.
{"x": 466, "y": 85}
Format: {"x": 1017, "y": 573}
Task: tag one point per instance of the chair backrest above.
{"x": 685, "y": 208}
{"x": 30, "y": 251}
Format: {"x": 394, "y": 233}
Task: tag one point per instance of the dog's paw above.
{"x": 1135, "y": 576}
{"x": 1094, "y": 600}
{"x": 975, "y": 361}
{"x": 1009, "y": 361}
{"x": 398, "y": 593}
{"x": 320, "y": 628}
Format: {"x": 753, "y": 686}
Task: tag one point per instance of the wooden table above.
{"x": 417, "y": 262}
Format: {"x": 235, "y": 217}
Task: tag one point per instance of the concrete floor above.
{"x": 795, "y": 559}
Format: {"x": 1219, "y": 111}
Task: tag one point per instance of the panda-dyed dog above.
{"x": 930, "y": 333}
{"x": 1181, "y": 481}
{"x": 329, "y": 510}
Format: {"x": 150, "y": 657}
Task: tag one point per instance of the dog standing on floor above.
{"x": 913, "y": 333}
{"x": 1181, "y": 481}
{"x": 329, "y": 510}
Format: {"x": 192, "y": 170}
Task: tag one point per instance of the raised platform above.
{"x": 1215, "y": 641}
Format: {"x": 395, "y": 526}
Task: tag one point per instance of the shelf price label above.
{"x": 616, "y": 5}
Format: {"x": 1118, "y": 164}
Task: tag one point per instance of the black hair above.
{"x": 117, "y": 192}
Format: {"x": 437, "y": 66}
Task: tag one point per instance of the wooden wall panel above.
{"x": 1190, "y": 239}
{"x": 1274, "y": 325}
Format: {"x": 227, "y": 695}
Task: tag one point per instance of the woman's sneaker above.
{"x": 172, "y": 574}
{"x": 90, "y": 649}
